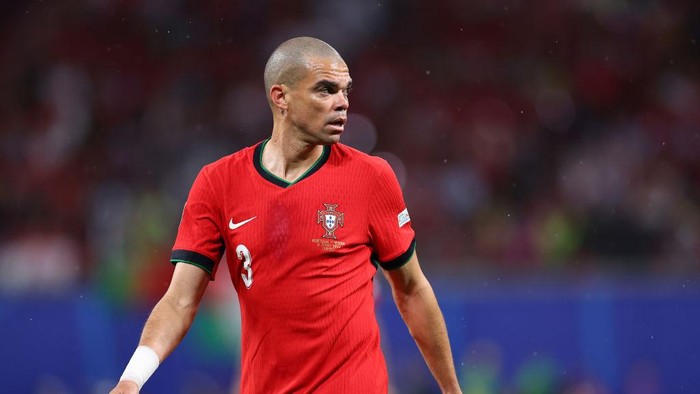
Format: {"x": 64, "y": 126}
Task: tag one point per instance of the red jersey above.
{"x": 302, "y": 257}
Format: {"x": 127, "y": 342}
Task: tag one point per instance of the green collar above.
{"x": 257, "y": 162}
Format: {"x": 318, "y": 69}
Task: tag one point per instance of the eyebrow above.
{"x": 330, "y": 84}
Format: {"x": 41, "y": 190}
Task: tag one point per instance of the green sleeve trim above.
{"x": 192, "y": 263}
{"x": 193, "y": 258}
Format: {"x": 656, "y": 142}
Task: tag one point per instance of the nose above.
{"x": 342, "y": 101}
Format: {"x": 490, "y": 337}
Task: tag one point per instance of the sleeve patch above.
{"x": 404, "y": 217}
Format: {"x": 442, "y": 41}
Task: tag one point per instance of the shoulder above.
{"x": 231, "y": 163}
{"x": 346, "y": 155}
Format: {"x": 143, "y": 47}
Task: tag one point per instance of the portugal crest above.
{"x": 330, "y": 219}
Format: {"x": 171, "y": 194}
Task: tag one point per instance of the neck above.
{"x": 289, "y": 158}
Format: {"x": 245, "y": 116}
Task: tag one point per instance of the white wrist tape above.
{"x": 141, "y": 366}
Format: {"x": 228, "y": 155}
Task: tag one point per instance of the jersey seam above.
{"x": 371, "y": 203}
{"x": 215, "y": 203}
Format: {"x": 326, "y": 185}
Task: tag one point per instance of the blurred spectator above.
{"x": 557, "y": 138}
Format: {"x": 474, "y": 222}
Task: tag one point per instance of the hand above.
{"x": 125, "y": 387}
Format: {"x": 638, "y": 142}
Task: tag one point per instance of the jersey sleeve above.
{"x": 391, "y": 234}
{"x": 199, "y": 241}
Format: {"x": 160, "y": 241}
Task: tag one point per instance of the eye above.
{"x": 325, "y": 90}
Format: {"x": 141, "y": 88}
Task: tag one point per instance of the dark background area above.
{"x": 549, "y": 154}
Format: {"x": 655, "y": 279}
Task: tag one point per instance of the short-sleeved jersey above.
{"x": 302, "y": 258}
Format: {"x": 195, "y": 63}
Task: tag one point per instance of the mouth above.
{"x": 338, "y": 123}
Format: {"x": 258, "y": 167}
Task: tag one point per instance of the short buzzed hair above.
{"x": 287, "y": 64}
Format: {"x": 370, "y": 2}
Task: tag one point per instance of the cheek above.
{"x": 306, "y": 115}
{"x": 314, "y": 112}
{"x": 310, "y": 112}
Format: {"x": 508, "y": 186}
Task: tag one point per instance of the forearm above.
{"x": 167, "y": 325}
{"x": 164, "y": 329}
{"x": 422, "y": 315}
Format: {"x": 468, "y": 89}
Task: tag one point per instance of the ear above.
{"x": 278, "y": 96}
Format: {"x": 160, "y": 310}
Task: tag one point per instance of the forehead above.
{"x": 331, "y": 68}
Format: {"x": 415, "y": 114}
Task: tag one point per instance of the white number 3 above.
{"x": 244, "y": 254}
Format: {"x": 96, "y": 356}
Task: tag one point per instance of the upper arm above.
{"x": 199, "y": 240}
{"x": 407, "y": 279}
{"x": 391, "y": 235}
{"x": 187, "y": 285}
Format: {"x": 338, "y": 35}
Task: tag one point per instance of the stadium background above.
{"x": 549, "y": 153}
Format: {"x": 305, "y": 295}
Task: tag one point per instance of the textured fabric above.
{"x": 300, "y": 256}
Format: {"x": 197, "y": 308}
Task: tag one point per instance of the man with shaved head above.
{"x": 305, "y": 222}
{"x": 288, "y": 62}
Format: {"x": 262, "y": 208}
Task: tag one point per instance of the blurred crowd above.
{"x": 558, "y": 137}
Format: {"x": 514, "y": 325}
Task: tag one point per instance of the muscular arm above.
{"x": 172, "y": 316}
{"x": 174, "y": 313}
{"x": 418, "y": 306}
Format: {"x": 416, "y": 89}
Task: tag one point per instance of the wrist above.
{"x": 141, "y": 366}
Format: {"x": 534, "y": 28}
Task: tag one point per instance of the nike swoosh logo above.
{"x": 234, "y": 226}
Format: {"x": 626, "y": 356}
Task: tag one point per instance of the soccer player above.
{"x": 305, "y": 222}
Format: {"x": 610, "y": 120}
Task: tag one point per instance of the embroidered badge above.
{"x": 330, "y": 220}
